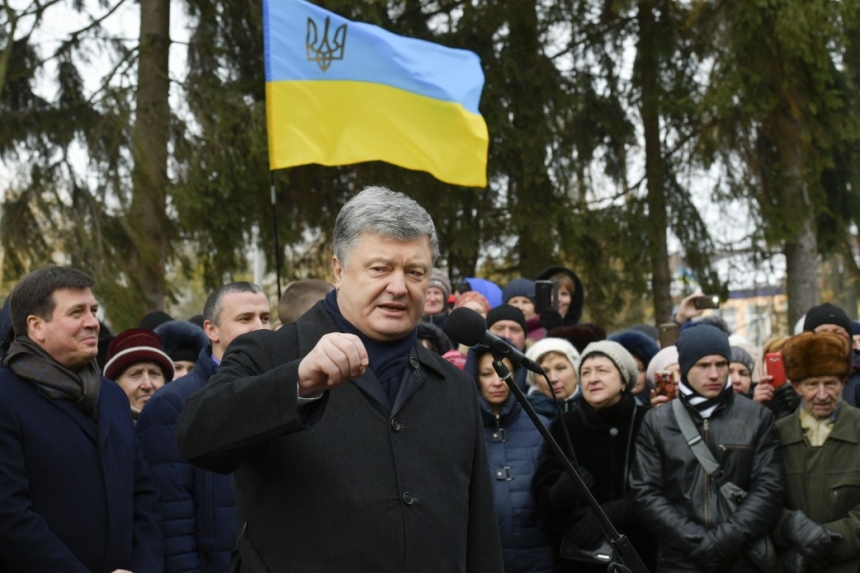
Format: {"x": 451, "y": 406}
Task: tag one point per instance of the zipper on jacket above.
{"x": 707, "y": 477}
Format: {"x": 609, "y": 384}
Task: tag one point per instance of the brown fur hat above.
{"x": 825, "y": 354}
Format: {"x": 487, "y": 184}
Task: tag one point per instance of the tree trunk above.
{"x": 148, "y": 218}
{"x": 801, "y": 251}
{"x": 661, "y": 277}
{"x": 801, "y": 261}
{"x": 531, "y": 189}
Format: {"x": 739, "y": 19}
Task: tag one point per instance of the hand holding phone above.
{"x": 664, "y": 384}
{"x": 546, "y": 296}
{"x": 775, "y": 368}
{"x": 706, "y": 301}
{"x": 668, "y": 334}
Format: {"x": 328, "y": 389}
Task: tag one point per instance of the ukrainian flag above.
{"x": 340, "y": 92}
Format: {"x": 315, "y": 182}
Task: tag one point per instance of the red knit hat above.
{"x": 133, "y": 346}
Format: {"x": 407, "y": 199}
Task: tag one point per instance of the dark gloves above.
{"x": 793, "y": 561}
{"x": 785, "y": 401}
{"x": 550, "y": 318}
{"x": 812, "y": 540}
{"x": 708, "y": 556}
{"x": 565, "y": 492}
{"x": 586, "y": 532}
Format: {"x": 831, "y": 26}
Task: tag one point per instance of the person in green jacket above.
{"x": 820, "y": 526}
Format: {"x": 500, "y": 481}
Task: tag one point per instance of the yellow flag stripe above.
{"x": 345, "y": 122}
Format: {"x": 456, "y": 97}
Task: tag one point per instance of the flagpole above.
{"x": 275, "y": 231}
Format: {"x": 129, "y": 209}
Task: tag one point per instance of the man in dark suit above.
{"x": 353, "y": 447}
{"x": 75, "y": 493}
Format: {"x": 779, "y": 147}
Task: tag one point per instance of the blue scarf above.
{"x": 387, "y": 359}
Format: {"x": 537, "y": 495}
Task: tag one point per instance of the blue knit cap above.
{"x": 696, "y": 343}
{"x": 518, "y": 287}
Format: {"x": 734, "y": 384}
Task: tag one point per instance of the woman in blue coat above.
{"x": 514, "y": 447}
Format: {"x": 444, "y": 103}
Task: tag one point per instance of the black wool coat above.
{"x": 348, "y": 482}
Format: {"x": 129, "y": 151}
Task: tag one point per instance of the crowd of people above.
{"x": 359, "y": 435}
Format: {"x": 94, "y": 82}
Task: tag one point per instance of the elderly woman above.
{"x": 558, "y": 358}
{"x": 514, "y": 447}
{"x": 137, "y": 362}
{"x": 603, "y": 428}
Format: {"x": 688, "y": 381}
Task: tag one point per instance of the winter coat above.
{"x": 200, "y": 523}
{"x": 825, "y": 482}
{"x": 348, "y": 482}
{"x": 74, "y": 497}
{"x": 604, "y": 443}
{"x": 545, "y": 406}
{"x": 577, "y": 299}
{"x": 514, "y": 446}
{"x": 674, "y": 496}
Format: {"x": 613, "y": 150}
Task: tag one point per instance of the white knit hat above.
{"x": 619, "y": 356}
{"x": 661, "y": 361}
{"x": 546, "y": 345}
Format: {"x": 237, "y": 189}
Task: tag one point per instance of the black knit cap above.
{"x": 700, "y": 341}
{"x": 506, "y": 312}
{"x": 826, "y": 314}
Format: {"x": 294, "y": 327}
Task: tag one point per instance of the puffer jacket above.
{"x": 514, "y": 446}
{"x": 677, "y": 500}
{"x": 197, "y": 507}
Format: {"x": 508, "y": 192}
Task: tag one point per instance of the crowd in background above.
{"x": 595, "y": 399}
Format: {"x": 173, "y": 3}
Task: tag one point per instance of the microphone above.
{"x": 465, "y": 326}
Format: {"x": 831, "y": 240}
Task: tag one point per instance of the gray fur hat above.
{"x": 619, "y": 356}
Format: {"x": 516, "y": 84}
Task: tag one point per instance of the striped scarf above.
{"x": 704, "y": 406}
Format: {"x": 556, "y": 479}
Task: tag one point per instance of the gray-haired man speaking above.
{"x": 353, "y": 447}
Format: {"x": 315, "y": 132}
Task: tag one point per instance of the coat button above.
{"x": 413, "y": 362}
{"x": 409, "y": 499}
{"x": 396, "y": 425}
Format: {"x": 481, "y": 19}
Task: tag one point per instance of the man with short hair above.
{"x": 199, "y": 512}
{"x": 75, "y": 493}
{"x": 299, "y": 297}
{"x": 675, "y": 497}
{"x": 820, "y": 525}
{"x": 353, "y": 447}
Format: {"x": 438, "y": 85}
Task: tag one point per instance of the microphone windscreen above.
{"x": 465, "y": 326}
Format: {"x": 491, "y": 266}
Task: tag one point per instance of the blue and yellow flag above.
{"x": 341, "y": 92}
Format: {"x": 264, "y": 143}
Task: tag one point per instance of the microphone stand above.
{"x": 624, "y": 551}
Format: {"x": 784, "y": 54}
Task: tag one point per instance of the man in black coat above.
{"x": 353, "y": 447}
{"x": 674, "y": 496}
{"x": 75, "y": 493}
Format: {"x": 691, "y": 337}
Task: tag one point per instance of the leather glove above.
{"x": 565, "y": 492}
{"x": 586, "y": 532}
{"x": 793, "y": 561}
{"x": 708, "y": 557}
{"x": 550, "y": 318}
{"x": 812, "y": 540}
